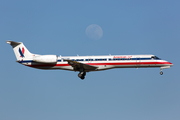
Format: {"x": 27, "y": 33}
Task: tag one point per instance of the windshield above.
{"x": 155, "y": 57}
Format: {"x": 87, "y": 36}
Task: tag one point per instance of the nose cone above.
{"x": 170, "y": 64}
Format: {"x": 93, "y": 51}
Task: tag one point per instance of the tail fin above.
{"x": 20, "y": 50}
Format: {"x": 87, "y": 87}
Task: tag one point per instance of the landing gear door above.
{"x": 138, "y": 61}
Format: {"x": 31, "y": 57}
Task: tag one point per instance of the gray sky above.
{"x": 58, "y": 27}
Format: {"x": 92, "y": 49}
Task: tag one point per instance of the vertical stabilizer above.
{"x": 20, "y": 50}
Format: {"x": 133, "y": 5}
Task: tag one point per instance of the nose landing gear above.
{"x": 161, "y": 73}
{"x": 164, "y": 67}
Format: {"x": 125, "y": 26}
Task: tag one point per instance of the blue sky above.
{"x": 58, "y": 27}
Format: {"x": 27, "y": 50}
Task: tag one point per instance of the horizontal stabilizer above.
{"x": 13, "y": 44}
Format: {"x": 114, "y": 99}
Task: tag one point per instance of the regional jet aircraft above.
{"x": 85, "y": 64}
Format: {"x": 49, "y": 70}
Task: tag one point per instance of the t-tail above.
{"x": 21, "y": 52}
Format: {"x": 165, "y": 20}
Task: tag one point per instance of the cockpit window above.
{"x": 155, "y": 57}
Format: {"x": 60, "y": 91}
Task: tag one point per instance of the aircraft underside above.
{"x": 82, "y": 71}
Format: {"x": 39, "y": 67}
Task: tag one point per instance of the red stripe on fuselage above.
{"x": 97, "y": 64}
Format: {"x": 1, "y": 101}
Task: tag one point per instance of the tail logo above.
{"x": 21, "y": 52}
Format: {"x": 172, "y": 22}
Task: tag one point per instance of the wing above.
{"x": 77, "y": 65}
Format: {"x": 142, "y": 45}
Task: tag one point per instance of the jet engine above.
{"x": 46, "y": 59}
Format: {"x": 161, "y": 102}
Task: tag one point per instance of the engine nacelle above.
{"x": 46, "y": 59}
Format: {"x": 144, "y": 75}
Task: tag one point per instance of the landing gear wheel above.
{"x": 161, "y": 73}
{"x": 82, "y": 75}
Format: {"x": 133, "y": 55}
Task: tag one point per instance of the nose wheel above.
{"x": 161, "y": 73}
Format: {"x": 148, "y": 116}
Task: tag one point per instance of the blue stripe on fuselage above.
{"x": 60, "y": 60}
{"x": 26, "y": 61}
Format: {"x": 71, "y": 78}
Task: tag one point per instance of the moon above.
{"x": 94, "y": 32}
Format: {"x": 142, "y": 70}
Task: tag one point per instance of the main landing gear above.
{"x": 82, "y": 75}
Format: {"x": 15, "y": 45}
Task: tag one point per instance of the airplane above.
{"x": 84, "y": 64}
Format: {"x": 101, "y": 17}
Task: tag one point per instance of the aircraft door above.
{"x": 138, "y": 61}
{"x": 89, "y": 60}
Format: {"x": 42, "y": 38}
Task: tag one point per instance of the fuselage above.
{"x": 102, "y": 62}
{"x": 85, "y": 64}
